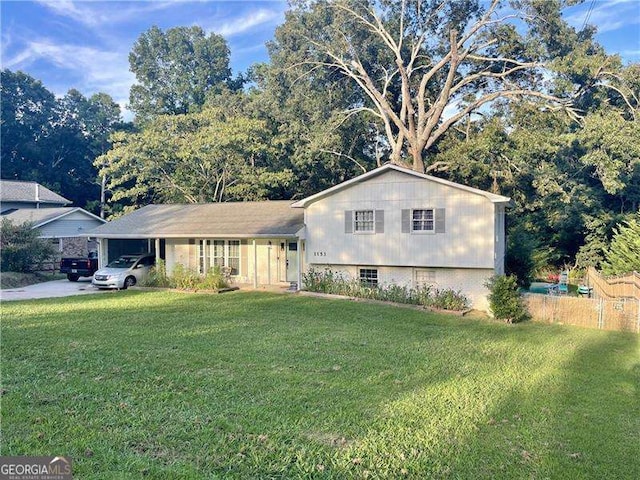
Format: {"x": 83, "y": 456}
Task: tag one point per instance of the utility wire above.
{"x": 586, "y": 19}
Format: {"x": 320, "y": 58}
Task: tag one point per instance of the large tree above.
{"x": 423, "y": 66}
{"x": 55, "y": 141}
{"x": 176, "y": 70}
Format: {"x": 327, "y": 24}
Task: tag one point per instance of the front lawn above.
{"x": 255, "y": 385}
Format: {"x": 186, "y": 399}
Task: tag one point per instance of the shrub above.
{"x": 505, "y": 300}
{"x": 185, "y": 278}
{"x": 519, "y": 258}
{"x": 328, "y": 281}
{"x": 158, "y": 275}
{"x": 623, "y": 255}
{"x": 21, "y": 250}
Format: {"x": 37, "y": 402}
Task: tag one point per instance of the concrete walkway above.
{"x": 52, "y": 289}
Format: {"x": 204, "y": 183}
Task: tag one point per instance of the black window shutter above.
{"x": 379, "y": 221}
{"x": 440, "y": 220}
{"x": 406, "y": 221}
{"x": 348, "y": 221}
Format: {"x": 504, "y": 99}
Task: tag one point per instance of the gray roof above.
{"x": 17, "y": 191}
{"x": 41, "y": 216}
{"x": 226, "y": 220}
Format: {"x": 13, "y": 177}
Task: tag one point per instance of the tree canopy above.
{"x": 55, "y": 140}
{"x": 176, "y": 70}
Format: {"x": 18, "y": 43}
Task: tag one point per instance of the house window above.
{"x": 423, "y": 220}
{"x": 226, "y": 253}
{"x": 218, "y": 254}
{"x": 233, "y": 256}
{"x": 363, "y": 221}
{"x": 369, "y": 276}
{"x": 425, "y": 278}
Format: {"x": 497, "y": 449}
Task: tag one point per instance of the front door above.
{"x": 292, "y": 261}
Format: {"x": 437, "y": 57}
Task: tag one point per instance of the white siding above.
{"x": 467, "y": 243}
{"x": 271, "y": 268}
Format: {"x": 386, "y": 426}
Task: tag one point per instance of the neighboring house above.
{"x": 65, "y": 227}
{"x": 390, "y": 225}
{"x": 16, "y": 194}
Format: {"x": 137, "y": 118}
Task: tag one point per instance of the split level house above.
{"x": 391, "y": 225}
{"x": 64, "y": 226}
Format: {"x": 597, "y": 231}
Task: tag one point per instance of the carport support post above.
{"x": 299, "y": 286}
{"x": 102, "y": 252}
{"x": 255, "y": 264}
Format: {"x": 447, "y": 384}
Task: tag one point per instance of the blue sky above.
{"x": 85, "y": 44}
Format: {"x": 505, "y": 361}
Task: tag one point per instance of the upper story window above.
{"x": 364, "y": 221}
{"x": 423, "y": 220}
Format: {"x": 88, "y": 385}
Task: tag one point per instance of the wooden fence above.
{"x": 621, "y": 314}
{"x": 621, "y": 286}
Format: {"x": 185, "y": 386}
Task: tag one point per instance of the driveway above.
{"x": 55, "y": 288}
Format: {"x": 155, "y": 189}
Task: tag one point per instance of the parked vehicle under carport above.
{"x": 124, "y": 272}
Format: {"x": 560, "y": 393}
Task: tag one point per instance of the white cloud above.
{"x": 103, "y": 13}
{"x": 97, "y": 70}
{"x": 245, "y": 22}
{"x": 607, "y": 16}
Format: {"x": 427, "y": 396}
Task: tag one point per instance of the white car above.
{"x": 124, "y": 272}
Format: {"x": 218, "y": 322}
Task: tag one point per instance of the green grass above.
{"x": 255, "y": 385}
{"x": 18, "y": 279}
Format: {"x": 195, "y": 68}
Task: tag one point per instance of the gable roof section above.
{"x": 42, "y": 216}
{"x": 206, "y": 220}
{"x": 18, "y": 191}
{"x": 492, "y": 197}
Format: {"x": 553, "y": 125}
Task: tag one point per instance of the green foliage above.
{"x": 54, "y": 141}
{"x": 210, "y": 156}
{"x": 505, "y": 300}
{"x": 184, "y": 278}
{"x": 327, "y": 281}
{"x": 623, "y": 255}
{"x": 176, "y": 70}
{"x": 20, "y": 248}
{"x": 519, "y": 259}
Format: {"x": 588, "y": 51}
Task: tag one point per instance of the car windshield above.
{"x": 123, "y": 262}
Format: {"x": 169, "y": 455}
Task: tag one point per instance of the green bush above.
{"x": 328, "y": 281}
{"x": 623, "y": 255}
{"x": 519, "y": 258}
{"x": 184, "y": 278}
{"x": 21, "y": 249}
{"x": 505, "y": 300}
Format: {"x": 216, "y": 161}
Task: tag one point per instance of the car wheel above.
{"x": 72, "y": 277}
{"x": 129, "y": 282}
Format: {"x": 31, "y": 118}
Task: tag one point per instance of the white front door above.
{"x": 292, "y": 261}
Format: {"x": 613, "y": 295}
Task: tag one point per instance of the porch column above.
{"x": 255, "y": 264}
{"x": 157, "y": 250}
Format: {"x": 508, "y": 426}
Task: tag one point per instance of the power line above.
{"x": 586, "y": 19}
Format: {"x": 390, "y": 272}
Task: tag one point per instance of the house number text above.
{"x": 319, "y": 254}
